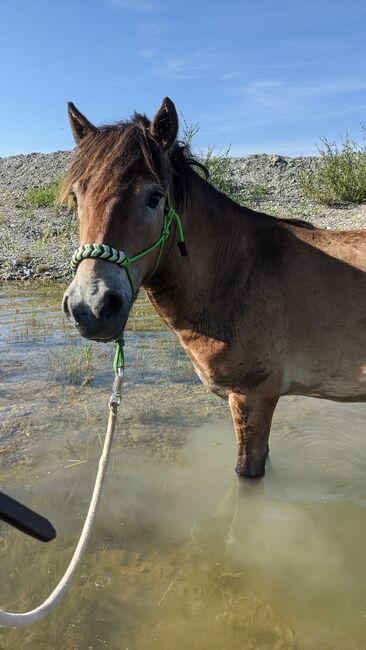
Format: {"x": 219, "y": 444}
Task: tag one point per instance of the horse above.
{"x": 264, "y": 307}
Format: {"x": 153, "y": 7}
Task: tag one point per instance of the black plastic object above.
{"x": 21, "y": 517}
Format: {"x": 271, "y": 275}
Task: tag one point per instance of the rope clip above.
{"x": 115, "y": 398}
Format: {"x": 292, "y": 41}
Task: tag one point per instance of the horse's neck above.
{"x": 218, "y": 239}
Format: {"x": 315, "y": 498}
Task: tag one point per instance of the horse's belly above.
{"x": 337, "y": 394}
{"x": 343, "y": 384}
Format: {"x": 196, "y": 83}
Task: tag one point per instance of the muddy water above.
{"x": 183, "y": 554}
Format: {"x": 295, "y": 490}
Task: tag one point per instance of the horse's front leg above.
{"x": 252, "y": 417}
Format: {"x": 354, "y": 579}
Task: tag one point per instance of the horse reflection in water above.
{"x": 264, "y": 307}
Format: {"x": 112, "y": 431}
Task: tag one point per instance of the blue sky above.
{"x": 259, "y": 75}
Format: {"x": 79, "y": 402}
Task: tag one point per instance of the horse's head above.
{"x": 119, "y": 179}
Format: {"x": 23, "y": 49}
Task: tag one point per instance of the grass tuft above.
{"x": 341, "y": 174}
{"x": 73, "y": 365}
{"x": 253, "y": 193}
{"x": 44, "y": 196}
{"x": 219, "y": 166}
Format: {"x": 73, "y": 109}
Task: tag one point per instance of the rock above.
{"x": 278, "y": 160}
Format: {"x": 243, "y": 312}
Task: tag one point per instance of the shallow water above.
{"x": 184, "y": 555}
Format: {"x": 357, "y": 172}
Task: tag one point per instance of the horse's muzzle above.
{"x": 104, "y": 320}
{"x": 97, "y": 306}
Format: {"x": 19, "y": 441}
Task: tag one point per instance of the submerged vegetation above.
{"x": 341, "y": 174}
{"x": 72, "y": 365}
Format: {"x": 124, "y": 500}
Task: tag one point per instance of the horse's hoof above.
{"x": 247, "y": 469}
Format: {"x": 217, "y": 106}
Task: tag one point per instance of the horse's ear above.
{"x": 164, "y": 126}
{"x": 80, "y": 126}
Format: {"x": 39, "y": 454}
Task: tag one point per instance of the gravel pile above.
{"x": 280, "y": 177}
{"x": 38, "y": 243}
{"x": 34, "y": 243}
{"x": 18, "y": 174}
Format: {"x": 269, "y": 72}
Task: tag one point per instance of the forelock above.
{"x": 110, "y": 158}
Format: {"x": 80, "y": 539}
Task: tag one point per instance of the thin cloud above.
{"x": 273, "y": 93}
{"x": 199, "y": 65}
{"x": 147, "y": 54}
{"x": 142, "y": 6}
{"x": 278, "y": 100}
{"x": 149, "y": 32}
{"x": 228, "y": 76}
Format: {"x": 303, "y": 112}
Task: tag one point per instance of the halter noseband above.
{"x": 110, "y": 254}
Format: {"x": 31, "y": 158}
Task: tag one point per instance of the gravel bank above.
{"x": 38, "y": 243}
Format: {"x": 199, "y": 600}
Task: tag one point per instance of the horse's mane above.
{"x": 115, "y": 152}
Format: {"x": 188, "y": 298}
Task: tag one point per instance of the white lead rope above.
{"x": 9, "y": 619}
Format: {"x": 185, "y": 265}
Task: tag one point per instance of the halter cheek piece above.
{"x": 110, "y": 254}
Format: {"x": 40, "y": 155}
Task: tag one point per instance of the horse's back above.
{"x": 347, "y": 246}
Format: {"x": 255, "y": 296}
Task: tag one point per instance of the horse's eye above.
{"x": 154, "y": 199}
{"x": 73, "y": 199}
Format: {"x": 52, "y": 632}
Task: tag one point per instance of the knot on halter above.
{"x": 110, "y": 254}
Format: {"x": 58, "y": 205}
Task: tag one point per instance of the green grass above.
{"x": 44, "y": 196}
{"x": 59, "y": 233}
{"x": 253, "y": 193}
{"x": 31, "y": 328}
{"x": 219, "y": 166}
{"x": 70, "y": 229}
{"x": 28, "y": 334}
{"x": 341, "y": 174}
{"x": 45, "y": 235}
{"x": 143, "y": 318}
{"x": 73, "y": 365}
{"x": 25, "y": 213}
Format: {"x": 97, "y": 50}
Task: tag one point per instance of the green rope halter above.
{"x": 119, "y": 357}
{"x": 110, "y": 254}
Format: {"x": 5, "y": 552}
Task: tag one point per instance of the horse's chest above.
{"x": 223, "y": 367}
{"x": 210, "y": 359}
{"x": 209, "y": 381}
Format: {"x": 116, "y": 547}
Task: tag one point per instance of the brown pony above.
{"x": 264, "y": 307}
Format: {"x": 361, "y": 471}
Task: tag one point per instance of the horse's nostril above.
{"x": 65, "y": 306}
{"x": 67, "y": 309}
{"x": 111, "y": 305}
